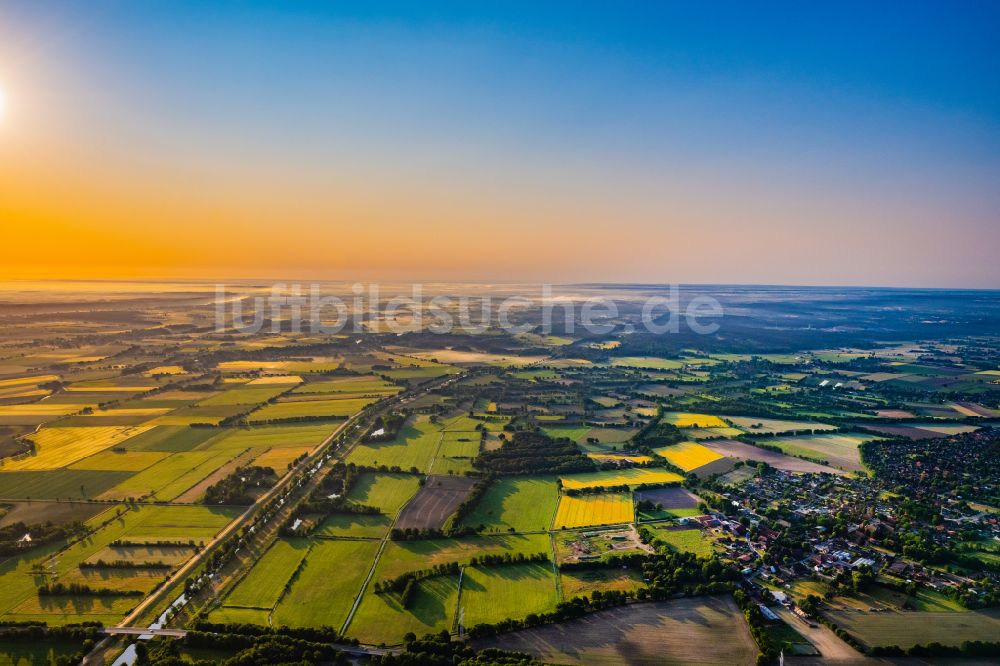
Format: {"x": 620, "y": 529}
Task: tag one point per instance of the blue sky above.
{"x": 827, "y": 130}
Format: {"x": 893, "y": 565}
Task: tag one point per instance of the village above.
{"x": 794, "y": 535}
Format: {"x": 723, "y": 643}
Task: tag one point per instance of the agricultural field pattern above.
{"x": 824, "y": 491}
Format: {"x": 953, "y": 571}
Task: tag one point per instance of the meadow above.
{"x": 838, "y": 450}
{"x": 381, "y": 618}
{"x": 646, "y": 363}
{"x": 131, "y": 416}
{"x": 271, "y": 437}
{"x": 335, "y": 409}
{"x": 170, "y": 439}
{"x": 169, "y": 478}
{"x": 490, "y": 594}
{"x": 388, "y": 492}
{"x": 324, "y": 589}
{"x": 456, "y": 451}
{"x": 263, "y": 586}
{"x": 121, "y": 461}
{"x": 363, "y": 385}
{"x": 522, "y": 504}
{"x": 140, "y": 524}
{"x": 415, "y": 446}
{"x": 400, "y": 557}
{"x": 58, "y": 484}
{"x": 687, "y": 540}
{"x": 584, "y": 582}
{"x": 186, "y": 416}
{"x": 244, "y": 395}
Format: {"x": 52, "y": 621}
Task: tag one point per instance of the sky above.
{"x": 726, "y": 142}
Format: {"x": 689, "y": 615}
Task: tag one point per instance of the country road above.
{"x": 235, "y": 525}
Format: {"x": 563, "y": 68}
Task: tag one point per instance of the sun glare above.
{"x": 3, "y": 102}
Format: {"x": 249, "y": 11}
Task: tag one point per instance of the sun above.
{"x": 3, "y": 102}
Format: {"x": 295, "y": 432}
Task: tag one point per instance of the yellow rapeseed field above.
{"x": 21, "y": 381}
{"x": 165, "y": 370}
{"x": 586, "y": 510}
{"x": 688, "y": 420}
{"x": 689, "y": 455}
{"x": 59, "y": 447}
{"x": 275, "y": 379}
{"x": 632, "y": 477}
{"x": 611, "y": 457}
{"x": 41, "y": 409}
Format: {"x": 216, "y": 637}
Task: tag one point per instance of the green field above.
{"x": 463, "y": 423}
{"x": 58, "y": 484}
{"x": 244, "y": 395}
{"x": 324, "y": 590}
{"x": 523, "y": 504}
{"x": 415, "y": 374}
{"x": 169, "y": 478}
{"x": 270, "y": 437}
{"x": 35, "y": 653}
{"x": 370, "y": 526}
{"x": 172, "y": 439}
{"x": 603, "y": 440}
{"x": 124, "y": 461}
{"x": 338, "y": 408}
{"x": 838, "y": 449}
{"x": 186, "y": 416}
{"x": 456, "y": 452}
{"x": 646, "y": 363}
{"x": 381, "y": 618}
{"x": 691, "y": 541}
{"x": 227, "y": 614}
{"x": 575, "y": 433}
{"x": 753, "y": 424}
{"x": 388, "y": 492}
{"x": 584, "y": 582}
{"x": 400, "y": 557}
{"x": 148, "y": 523}
{"x": 492, "y": 594}
{"x": 264, "y": 585}
{"x": 415, "y": 446}
{"x": 460, "y": 444}
{"x": 366, "y": 385}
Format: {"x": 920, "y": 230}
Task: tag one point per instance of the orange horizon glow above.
{"x": 141, "y": 151}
